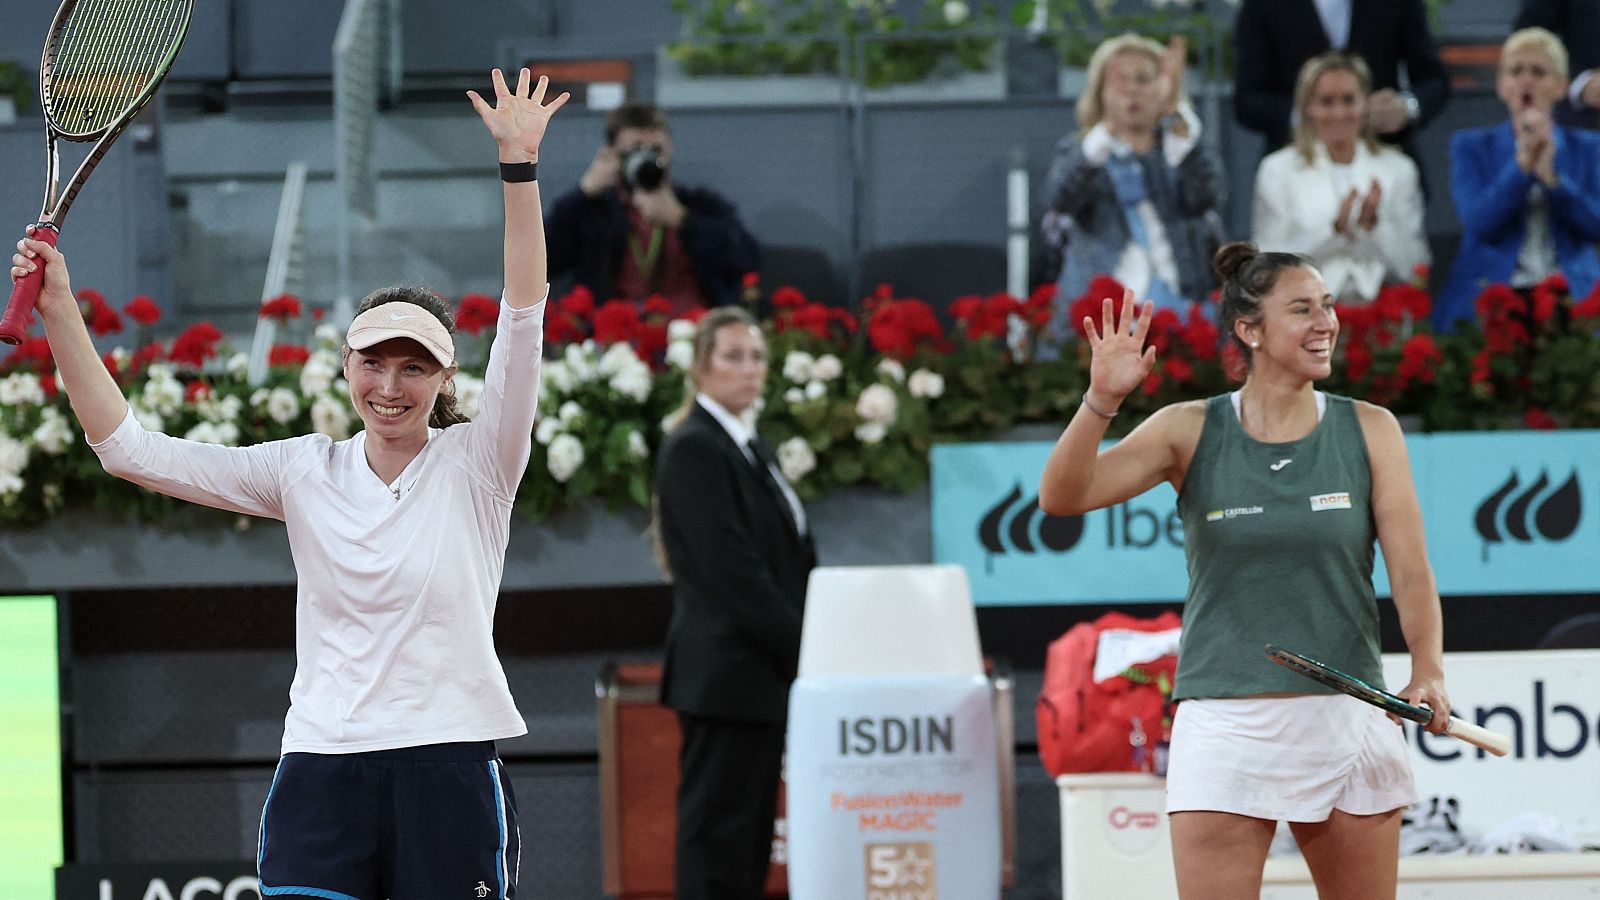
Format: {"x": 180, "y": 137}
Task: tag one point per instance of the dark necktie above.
{"x": 766, "y": 466}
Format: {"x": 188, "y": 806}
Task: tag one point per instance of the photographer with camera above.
{"x": 628, "y": 232}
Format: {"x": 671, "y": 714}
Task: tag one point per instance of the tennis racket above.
{"x": 1476, "y": 735}
{"x": 102, "y": 63}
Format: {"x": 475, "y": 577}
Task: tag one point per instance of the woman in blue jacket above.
{"x": 1527, "y": 190}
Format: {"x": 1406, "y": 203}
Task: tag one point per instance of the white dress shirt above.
{"x": 743, "y": 433}
{"x": 1335, "y": 16}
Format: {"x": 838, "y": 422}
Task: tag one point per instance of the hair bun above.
{"x": 1233, "y": 257}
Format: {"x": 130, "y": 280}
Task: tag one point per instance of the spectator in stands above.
{"x": 1138, "y": 192}
{"x": 1577, "y": 23}
{"x": 1337, "y": 195}
{"x": 627, "y": 231}
{"x": 389, "y": 784}
{"x": 734, "y": 539}
{"x": 1274, "y": 38}
{"x": 1527, "y": 191}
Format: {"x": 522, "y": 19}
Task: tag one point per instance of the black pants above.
{"x": 727, "y": 800}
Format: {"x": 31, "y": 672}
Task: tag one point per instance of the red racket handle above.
{"x": 25, "y": 293}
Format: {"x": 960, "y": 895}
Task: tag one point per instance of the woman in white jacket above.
{"x": 1337, "y": 195}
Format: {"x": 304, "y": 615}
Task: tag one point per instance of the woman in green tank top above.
{"x": 1282, "y": 491}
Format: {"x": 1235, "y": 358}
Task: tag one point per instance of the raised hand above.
{"x": 1341, "y": 222}
{"x": 1120, "y": 361}
{"x": 517, "y": 120}
{"x": 1368, "y": 219}
{"x": 57, "y": 288}
{"x": 1174, "y": 61}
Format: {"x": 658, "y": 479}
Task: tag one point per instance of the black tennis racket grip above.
{"x": 25, "y": 293}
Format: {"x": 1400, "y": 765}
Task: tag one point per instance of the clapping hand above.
{"x": 1341, "y": 221}
{"x": 518, "y": 120}
{"x": 1368, "y": 219}
{"x": 1120, "y": 361}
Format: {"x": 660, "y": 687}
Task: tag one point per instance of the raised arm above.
{"x": 518, "y": 120}
{"x": 94, "y": 395}
{"x": 1078, "y": 477}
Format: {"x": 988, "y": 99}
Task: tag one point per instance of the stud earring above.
{"x": 1255, "y": 345}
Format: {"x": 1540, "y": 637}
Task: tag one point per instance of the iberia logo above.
{"x": 1517, "y": 513}
{"x": 1021, "y": 526}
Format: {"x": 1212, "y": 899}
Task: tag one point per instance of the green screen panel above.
{"x": 30, "y": 748}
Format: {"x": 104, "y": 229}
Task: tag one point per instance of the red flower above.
{"x": 143, "y": 310}
{"x": 101, "y": 317}
{"x": 695, "y": 314}
{"x": 47, "y": 383}
{"x": 1152, "y": 382}
{"x": 1234, "y": 365}
{"x": 1177, "y": 368}
{"x": 1421, "y": 272}
{"x": 1358, "y": 361}
{"x": 145, "y": 355}
{"x": 1545, "y": 301}
{"x": 1498, "y": 300}
{"x": 1388, "y": 306}
{"x": 1040, "y": 304}
{"x": 650, "y": 341}
{"x": 615, "y": 321}
{"x": 1419, "y": 359}
{"x": 657, "y": 305}
{"x": 477, "y": 312}
{"x": 752, "y": 279}
{"x": 195, "y": 345}
{"x": 1539, "y": 419}
{"x": 558, "y": 329}
{"x": 287, "y": 355}
{"x": 883, "y": 291}
{"x": 1589, "y": 307}
{"x": 1480, "y": 366}
{"x": 965, "y": 308}
{"x": 32, "y": 354}
{"x": 788, "y": 298}
{"x": 579, "y": 302}
{"x": 1199, "y": 335}
{"x": 815, "y": 318}
{"x": 283, "y": 306}
{"x": 195, "y": 391}
{"x": 899, "y": 327}
{"x": 1406, "y": 299}
{"x": 1557, "y": 282}
{"x": 317, "y": 313}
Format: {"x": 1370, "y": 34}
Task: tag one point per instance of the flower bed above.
{"x": 851, "y": 398}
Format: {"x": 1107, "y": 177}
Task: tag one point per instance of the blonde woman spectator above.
{"x": 1337, "y": 195}
{"x": 1139, "y": 192}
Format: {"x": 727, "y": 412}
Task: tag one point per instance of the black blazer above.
{"x": 739, "y": 571}
{"x": 588, "y": 237}
{"x": 1577, "y": 23}
{"x": 1274, "y": 38}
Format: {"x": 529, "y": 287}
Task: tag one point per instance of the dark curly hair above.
{"x": 1247, "y": 275}
{"x": 444, "y": 413}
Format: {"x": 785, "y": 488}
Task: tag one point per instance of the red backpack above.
{"x": 1085, "y": 726}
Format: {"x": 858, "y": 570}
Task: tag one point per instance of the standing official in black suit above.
{"x": 1577, "y": 23}
{"x": 1274, "y": 38}
{"x": 734, "y": 538}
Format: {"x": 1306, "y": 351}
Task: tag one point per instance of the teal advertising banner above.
{"x": 1505, "y": 513}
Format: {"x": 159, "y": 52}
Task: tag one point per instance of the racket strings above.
{"x": 107, "y": 55}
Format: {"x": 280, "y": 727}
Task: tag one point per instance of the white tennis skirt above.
{"x": 1292, "y": 759}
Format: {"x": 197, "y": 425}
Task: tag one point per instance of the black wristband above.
{"x": 516, "y": 173}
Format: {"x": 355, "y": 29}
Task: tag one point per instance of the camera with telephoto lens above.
{"x": 642, "y": 168}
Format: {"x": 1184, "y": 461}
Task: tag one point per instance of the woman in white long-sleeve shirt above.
{"x": 389, "y": 785}
{"x": 1337, "y": 195}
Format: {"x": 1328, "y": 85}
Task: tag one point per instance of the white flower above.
{"x": 580, "y": 359}
{"x": 816, "y": 390}
{"x": 871, "y": 432}
{"x": 13, "y": 459}
{"x": 956, "y": 11}
{"x": 238, "y": 364}
{"x": 10, "y": 485}
{"x": 877, "y": 403}
{"x": 149, "y": 419}
{"x": 331, "y": 416}
{"x": 228, "y": 434}
{"x": 329, "y": 336}
{"x": 682, "y": 330}
{"x": 469, "y": 391}
{"x": 259, "y": 398}
{"x": 828, "y": 368}
{"x": 564, "y": 457}
{"x": 557, "y": 377}
{"x": 204, "y": 433}
{"x": 317, "y": 375}
{"x": 794, "y": 396}
{"x": 121, "y": 357}
{"x": 54, "y": 435}
{"x": 680, "y": 354}
{"x": 637, "y": 445}
{"x": 633, "y": 382}
{"x": 283, "y": 406}
{"x": 618, "y": 357}
{"x": 570, "y": 412}
{"x": 795, "y": 458}
{"x": 547, "y": 431}
{"x": 893, "y": 369}
{"x": 20, "y": 389}
{"x": 229, "y": 408}
{"x": 924, "y": 383}
{"x": 163, "y": 392}
{"x": 797, "y": 366}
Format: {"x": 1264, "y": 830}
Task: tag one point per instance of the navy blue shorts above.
{"x": 417, "y": 823}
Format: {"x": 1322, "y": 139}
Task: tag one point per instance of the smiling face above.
{"x": 393, "y": 385}
{"x": 735, "y": 371}
{"x": 1297, "y": 328}
{"x": 1529, "y": 79}
{"x": 1336, "y": 109}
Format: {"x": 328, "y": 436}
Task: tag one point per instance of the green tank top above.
{"x": 1279, "y": 540}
